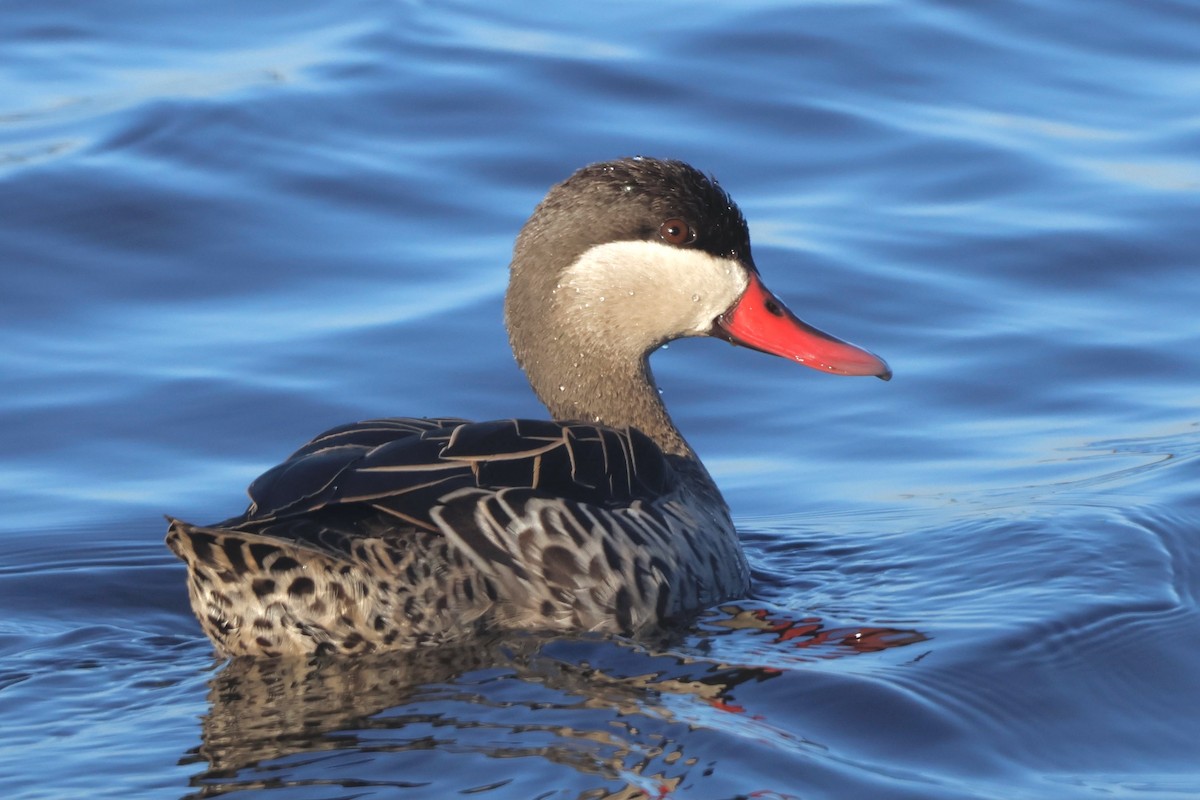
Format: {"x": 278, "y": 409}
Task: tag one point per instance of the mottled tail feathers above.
{"x": 258, "y": 595}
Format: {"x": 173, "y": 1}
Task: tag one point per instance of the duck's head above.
{"x": 627, "y": 255}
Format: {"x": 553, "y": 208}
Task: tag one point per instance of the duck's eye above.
{"x": 677, "y": 232}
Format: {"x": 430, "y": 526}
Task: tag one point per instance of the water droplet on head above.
{"x": 696, "y": 298}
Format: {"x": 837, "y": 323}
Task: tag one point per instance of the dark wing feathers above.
{"x": 504, "y": 439}
{"x": 298, "y": 483}
{"x": 589, "y": 463}
{"x": 404, "y": 467}
{"x": 374, "y": 432}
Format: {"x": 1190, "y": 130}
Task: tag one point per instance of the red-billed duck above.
{"x": 401, "y": 532}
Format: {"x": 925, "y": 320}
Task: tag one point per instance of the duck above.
{"x": 403, "y": 532}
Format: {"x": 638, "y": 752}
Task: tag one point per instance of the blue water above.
{"x": 226, "y": 227}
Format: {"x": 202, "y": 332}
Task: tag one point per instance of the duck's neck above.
{"x": 584, "y": 380}
{"x": 620, "y": 396}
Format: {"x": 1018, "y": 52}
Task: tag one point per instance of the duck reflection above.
{"x": 616, "y": 714}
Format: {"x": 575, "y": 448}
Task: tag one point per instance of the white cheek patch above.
{"x": 650, "y": 291}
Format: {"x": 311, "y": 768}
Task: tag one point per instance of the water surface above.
{"x": 224, "y": 229}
